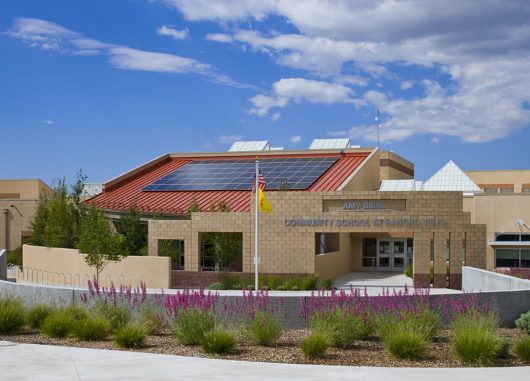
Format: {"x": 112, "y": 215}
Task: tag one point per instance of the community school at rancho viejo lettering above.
{"x": 365, "y": 222}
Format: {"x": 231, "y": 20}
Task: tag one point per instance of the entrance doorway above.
{"x": 387, "y": 254}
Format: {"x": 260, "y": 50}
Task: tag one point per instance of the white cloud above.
{"x": 48, "y": 121}
{"x": 484, "y": 53}
{"x": 229, "y": 139}
{"x": 134, "y": 59}
{"x": 405, "y": 85}
{"x": 263, "y": 103}
{"x": 300, "y": 90}
{"x": 435, "y": 140}
{"x": 219, "y": 37}
{"x": 275, "y": 116}
{"x": 50, "y": 36}
{"x": 295, "y": 139}
{"x": 166, "y": 30}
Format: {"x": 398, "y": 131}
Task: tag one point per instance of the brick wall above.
{"x": 290, "y": 249}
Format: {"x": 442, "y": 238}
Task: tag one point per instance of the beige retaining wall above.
{"x": 57, "y": 266}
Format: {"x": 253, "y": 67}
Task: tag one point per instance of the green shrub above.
{"x": 91, "y": 329}
{"x": 295, "y": 288}
{"x": 523, "y": 322}
{"x": 522, "y": 349}
{"x": 309, "y": 283}
{"x": 409, "y": 271}
{"x": 219, "y": 342}
{"x": 405, "y": 342}
{"x": 77, "y": 312}
{"x": 324, "y": 284}
{"x": 273, "y": 282}
{"x": 228, "y": 281}
{"x": 58, "y": 324}
{"x": 15, "y": 257}
{"x": 12, "y": 315}
{"x": 341, "y": 328}
{"x": 315, "y": 345}
{"x": 292, "y": 282}
{"x": 281, "y": 287}
{"x": 152, "y": 319}
{"x": 117, "y": 315}
{"x": 427, "y": 322}
{"x": 131, "y": 336}
{"x": 190, "y": 326}
{"x": 264, "y": 329}
{"x": 474, "y": 338}
{"x": 217, "y": 286}
{"x": 503, "y": 348}
{"x": 37, "y": 314}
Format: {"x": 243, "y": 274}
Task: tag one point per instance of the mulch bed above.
{"x": 368, "y": 352}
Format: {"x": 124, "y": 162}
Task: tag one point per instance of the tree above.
{"x": 98, "y": 243}
{"x": 134, "y": 230}
{"x": 194, "y": 207}
{"x": 39, "y": 222}
{"x": 61, "y": 224}
{"x": 57, "y": 220}
{"x": 221, "y": 246}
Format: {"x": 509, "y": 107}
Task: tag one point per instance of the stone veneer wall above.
{"x": 291, "y": 249}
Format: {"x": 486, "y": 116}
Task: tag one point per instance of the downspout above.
{"x": 6, "y": 219}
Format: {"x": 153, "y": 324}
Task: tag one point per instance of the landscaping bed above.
{"x": 369, "y": 352}
{"x": 394, "y": 329}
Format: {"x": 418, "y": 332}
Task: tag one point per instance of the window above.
{"x": 173, "y": 248}
{"x": 512, "y": 237}
{"x": 507, "y": 258}
{"x": 487, "y": 189}
{"x": 506, "y": 190}
{"x": 526, "y": 188}
{"x": 503, "y": 237}
{"x": 327, "y": 243}
{"x": 512, "y": 258}
{"x": 525, "y": 258}
{"x": 369, "y": 252}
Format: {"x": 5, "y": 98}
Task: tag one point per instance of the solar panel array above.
{"x": 204, "y": 175}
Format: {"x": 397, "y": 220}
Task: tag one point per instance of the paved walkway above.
{"x": 42, "y": 362}
{"x": 375, "y": 282}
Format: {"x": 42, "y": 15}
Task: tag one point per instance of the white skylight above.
{"x": 451, "y": 178}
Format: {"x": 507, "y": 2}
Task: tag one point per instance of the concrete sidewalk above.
{"x": 42, "y": 362}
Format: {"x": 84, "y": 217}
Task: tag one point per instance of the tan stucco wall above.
{"x": 59, "y": 266}
{"x": 389, "y": 173}
{"x": 25, "y": 188}
{"x": 19, "y": 198}
{"x": 367, "y": 175}
{"x": 332, "y": 265}
{"x": 515, "y": 177}
{"x": 499, "y": 213}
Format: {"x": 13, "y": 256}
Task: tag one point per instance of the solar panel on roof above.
{"x": 203, "y": 175}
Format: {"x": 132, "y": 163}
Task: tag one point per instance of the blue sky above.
{"x": 107, "y": 85}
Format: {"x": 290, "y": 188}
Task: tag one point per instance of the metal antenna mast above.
{"x": 378, "y": 126}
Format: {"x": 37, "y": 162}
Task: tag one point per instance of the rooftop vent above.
{"x": 259, "y": 145}
{"x": 330, "y": 144}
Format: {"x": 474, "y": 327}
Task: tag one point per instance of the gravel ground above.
{"x": 368, "y": 352}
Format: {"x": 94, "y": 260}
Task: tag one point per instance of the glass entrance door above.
{"x": 384, "y": 254}
{"x": 398, "y": 254}
{"x": 391, "y": 254}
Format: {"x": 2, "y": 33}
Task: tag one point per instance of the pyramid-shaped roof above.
{"x": 450, "y": 178}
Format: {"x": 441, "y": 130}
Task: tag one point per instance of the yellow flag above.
{"x": 263, "y": 204}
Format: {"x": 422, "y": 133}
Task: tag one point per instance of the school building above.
{"x": 337, "y": 208}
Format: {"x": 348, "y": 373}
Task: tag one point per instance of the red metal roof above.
{"x": 129, "y": 191}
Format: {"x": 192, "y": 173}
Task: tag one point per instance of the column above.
{"x": 455, "y": 259}
{"x": 421, "y": 258}
{"x": 440, "y": 262}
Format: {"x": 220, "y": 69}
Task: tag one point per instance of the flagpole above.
{"x": 256, "y": 235}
